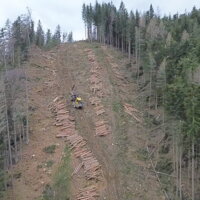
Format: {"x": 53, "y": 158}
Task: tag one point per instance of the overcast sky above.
{"x": 67, "y": 13}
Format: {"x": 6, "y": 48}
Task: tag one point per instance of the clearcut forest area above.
{"x": 112, "y": 117}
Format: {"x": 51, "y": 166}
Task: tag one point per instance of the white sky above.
{"x": 67, "y": 13}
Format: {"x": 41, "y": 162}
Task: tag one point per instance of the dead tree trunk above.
{"x": 8, "y": 130}
{"x": 193, "y": 155}
{"x": 129, "y": 50}
{"x": 27, "y": 111}
{"x": 180, "y": 172}
{"x": 15, "y": 143}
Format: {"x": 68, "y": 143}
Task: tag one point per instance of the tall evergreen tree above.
{"x": 48, "y": 38}
{"x": 57, "y": 35}
{"x": 39, "y": 41}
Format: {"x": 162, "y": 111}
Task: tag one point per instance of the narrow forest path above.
{"x": 103, "y": 79}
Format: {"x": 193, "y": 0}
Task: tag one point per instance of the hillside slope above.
{"x": 101, "y": 75}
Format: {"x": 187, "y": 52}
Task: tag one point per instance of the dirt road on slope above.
{"x": 122, "y": 152}
{"x": 99, "y": 72}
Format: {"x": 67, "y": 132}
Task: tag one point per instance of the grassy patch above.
{"x": 37, "y": 79}
{"x": 117, "y": 107}
{"x": 39, "y": 166}
{"x": 164, "y": 165}
{"x": 62, "y": 178}
{"x": 50, "y": 149}
{"x": 60, "y": 189}
{"x": 49, "y": 163}
{"x": 48, "y": 193}
{"x": 142, "y": 154}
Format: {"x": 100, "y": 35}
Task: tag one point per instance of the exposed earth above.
{"x": 101, "y": 75}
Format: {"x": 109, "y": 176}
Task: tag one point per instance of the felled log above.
{"x": 129, "y": 110}
{"x": 94, "y": 100}
{"x": 67, "y": 129}
{"x": 88, "y": 193}
{"x": 99, "y": 110}
{"x": 77, "y": 169}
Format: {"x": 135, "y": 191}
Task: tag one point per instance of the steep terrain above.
{"x": 103, "y": 78}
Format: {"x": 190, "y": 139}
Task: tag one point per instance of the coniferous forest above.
{"x": 164, "y": 54}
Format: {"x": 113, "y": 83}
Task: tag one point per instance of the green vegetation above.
{"x": 60, "y": 188}
{"x": 49, "y": 163}
{"x": 62, "y": 178}
{"x": 164, "y": 54}
{"x": 117, "y": 107}
{"x": 142, "y": 154}
{"x": 47, "y": 193}
{"x": 50, "y": 149}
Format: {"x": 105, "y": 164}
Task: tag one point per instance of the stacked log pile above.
{"x": 95, "y": 101}
{"x": 116, "y": 71}
{"x": 137, "y": 115}
{"x": 91, "y": 166}
{"x": 102, "y": 128}
{"x": 96, "y": 87}
{"x": 99, "y": 109}
{"x": 89, "y": 193}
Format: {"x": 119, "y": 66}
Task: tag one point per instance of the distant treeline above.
{"x": 164, "y": 54}
{"x": 17, "y": 37}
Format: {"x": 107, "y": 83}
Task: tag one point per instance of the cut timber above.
{"x": 57, "y": 99}
{"x": 102, "y": 128}
{"x": 95, "y": 78}
{"x": 94, "y": 100}
{"x": 58, "y": 124}
{"x": 88, "y": 193}
{"x": 100, "y": 94}
{"x": 60, "y": 112}
{"x": 65, "y": 133}
{"x": 94, "y": 70}
{"x": 77, "y": 143}
{"x": 96, "y": 87}
{"x": 67, "y": 126}
{"x": 77, "y": 169}
{"x": 129, "y": 109}
{"x": 91, "y": 59}
{"x": 99, "y": 110}
{"x": 71, "y": 118}
{"x": 99, "y": 123}
{"x": 88, "y": 50}
{"x": 61, "y": 118}
{"x": 98, "y": 90}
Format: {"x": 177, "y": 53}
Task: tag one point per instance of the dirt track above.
{"x": 126, "y": 173}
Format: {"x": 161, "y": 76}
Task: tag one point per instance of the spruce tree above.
{"x": 39, "y": 35}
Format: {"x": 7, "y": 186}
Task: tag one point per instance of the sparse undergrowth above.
{"x": 47, "y": 164}
{"x": 60, "y": 189}
{"x": 50, "y": 149}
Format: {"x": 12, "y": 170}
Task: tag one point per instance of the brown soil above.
{"x": 127, "y": 174}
